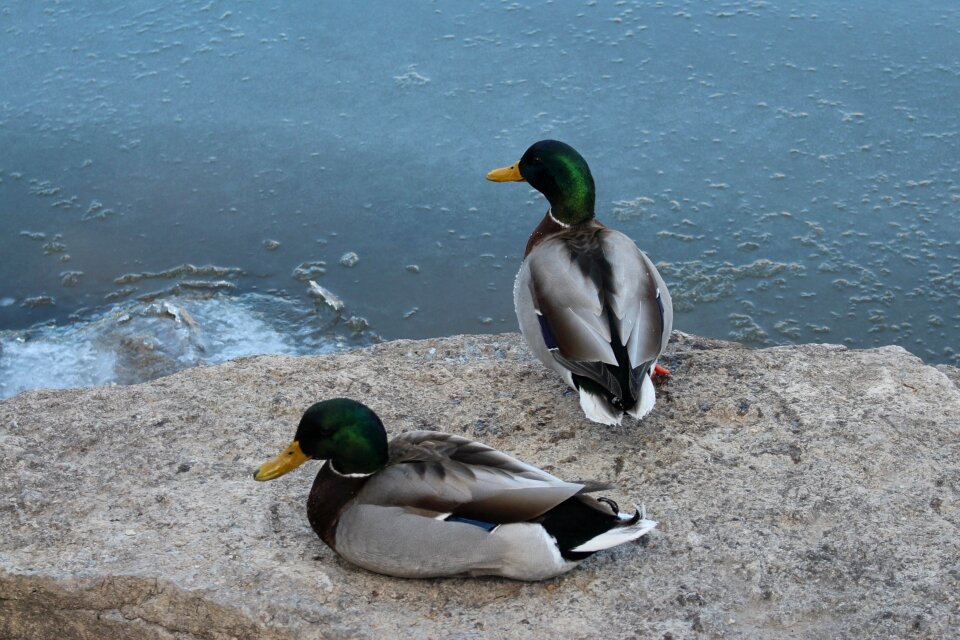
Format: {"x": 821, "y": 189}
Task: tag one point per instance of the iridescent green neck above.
{"x": 358, "y": 451}
{"x": 573, "y": 202}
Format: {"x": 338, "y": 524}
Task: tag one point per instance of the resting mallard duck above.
{"x": 591, "y": 305}
{"x": 431, "y": 504}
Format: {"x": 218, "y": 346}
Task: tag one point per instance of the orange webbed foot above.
{"x": 659, "y": 374}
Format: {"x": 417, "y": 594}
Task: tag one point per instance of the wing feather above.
{"x": 640, "y": 300}
{"x": 442, "y": 473}
{"x": 569, "y": 301}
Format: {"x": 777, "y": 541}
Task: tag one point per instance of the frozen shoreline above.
{"x": 135, "y": 341}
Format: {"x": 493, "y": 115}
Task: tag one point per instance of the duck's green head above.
{"x": 560, "y": 173}
{"x": 343, "y": 431}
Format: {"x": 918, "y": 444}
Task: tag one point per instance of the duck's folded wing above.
{"x": 569, "y": 304}
{"x": 442, "y": 474}
{"x": 640, "y": 302}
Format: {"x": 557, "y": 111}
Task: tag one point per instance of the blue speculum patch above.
{"x": 486, "y": 526}
{"x": 548, "y": 338}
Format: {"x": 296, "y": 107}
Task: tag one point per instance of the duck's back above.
{"x": 591, "y": 304}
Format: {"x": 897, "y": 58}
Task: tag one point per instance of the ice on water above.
{"x": 135, "y": 341}
{"x": 791, "y": 166}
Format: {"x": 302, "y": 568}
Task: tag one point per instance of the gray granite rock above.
{"x": 802, "y": 492}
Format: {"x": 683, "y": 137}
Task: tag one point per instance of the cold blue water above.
{"x": 173, "y": 175}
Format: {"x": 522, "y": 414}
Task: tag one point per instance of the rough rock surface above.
{"x": 802, "y": 492}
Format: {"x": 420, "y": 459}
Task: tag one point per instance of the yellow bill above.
{"x": 506, "y": 174}
{"x": 288, "y": 460}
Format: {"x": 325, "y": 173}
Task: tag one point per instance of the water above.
{"x": 791, "y": 166}
{"x": 132, "y": 342}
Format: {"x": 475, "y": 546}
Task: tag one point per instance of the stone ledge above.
{"x": 804, "y": 491}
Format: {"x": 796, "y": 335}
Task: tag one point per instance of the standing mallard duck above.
{"x": 430, "y": 504}
{"x": 591, "y": 305}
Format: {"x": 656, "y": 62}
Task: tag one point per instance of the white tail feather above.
{"x": 619, "y": 535}
{"x": 648, "y": 398}
{"x": 598, "y": 409}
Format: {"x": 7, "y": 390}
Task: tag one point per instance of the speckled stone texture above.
{"x": 802, "y": 492}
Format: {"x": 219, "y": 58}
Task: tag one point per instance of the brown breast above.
{"x": 547, "y": 227}
{"x": 329, "y": 496}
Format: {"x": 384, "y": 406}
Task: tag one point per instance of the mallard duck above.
{"x": 431, "y": 504}
{"x": 591, "y": 305}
